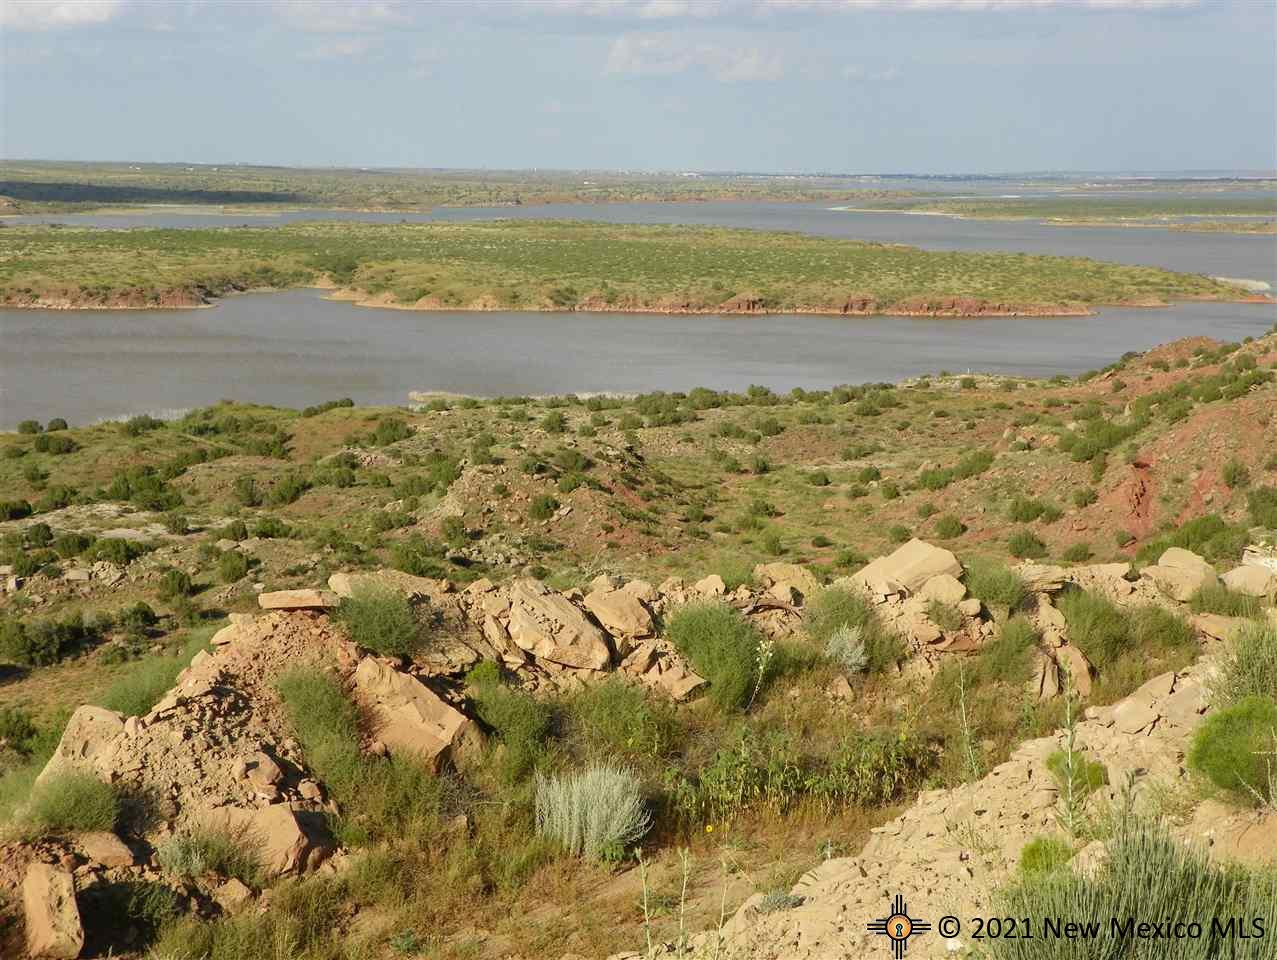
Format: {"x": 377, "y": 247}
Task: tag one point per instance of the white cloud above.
{"x": 341, "y": 16}
{"x": 53, "y": 14}
{"x": 974, "y": 6}
{"x": 665, "y": 54}
{"x": 633, "y": 9}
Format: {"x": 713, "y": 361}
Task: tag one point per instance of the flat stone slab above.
{"x": 298, "y": 600}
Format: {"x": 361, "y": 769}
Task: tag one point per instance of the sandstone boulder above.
{"x": 1216, "y": 626}
{"x": 287, "y": 842}
{"x": 945, "y": 588}
{"x": 52, "y": 916}
{"x": 1043, "y": 578}
{"x": 1073, "y": 660}
{"x": 414, "y": 588}
{"x": 1253, "y": 581}
{"x": 1178, "y": 573}
{"x": 643, "y": 590}
{"x": 88, "y": 743}
{"x": 910, "y": 566}
{"x": 621, "y": 613}
{"x": 105, "y": 848}
{"x": 411, "y": 718}
{"x": 784, "y": 579}
{"x": 711, "y": 586}
{"x": 547, "y": 625}
{"x": 297, "y": 600}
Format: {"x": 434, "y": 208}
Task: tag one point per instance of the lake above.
{"x": 296, "y": 348}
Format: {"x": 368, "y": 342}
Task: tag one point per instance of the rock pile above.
{"x": 948, "y": 852}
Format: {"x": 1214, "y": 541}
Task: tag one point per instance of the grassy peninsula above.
{"x": 561, "y": 265}
{"x": 1227, "y": 214}
{"x": 41, "y": 186}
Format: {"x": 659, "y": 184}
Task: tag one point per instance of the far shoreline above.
{"x": 946, "y": 307}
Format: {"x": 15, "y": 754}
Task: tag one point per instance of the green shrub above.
{"x": 521, "y": 722}
{"x": 836, "y": 608}
{"x": 1262, "y": 504}
{"x": 898, "y": 533}
{"x": 419, "y": 556}
{"x": 1158, "y": 630}
{"x": 38, "y": 643}
{"x": 1086, "y": 775}
{"x": 1023, "y": 510}
{"x": 871, "y": 769}
{"x": 379, "y": 798}
{"x": 722, "y": 646}
{"x": 554, "y": 422}
{"x": 232, "y": 566}
{"x": 71, "y": 802}
{"x": 622, "y": 720}
{"x": 1217, "y": 598}
{"x": 1096, "y": 627}
{"x": 736, "y": 571}
{"x": 1234, "y": 749}
{"x": 1044, "y": 854}
{"x": 1235, "y": 474}
{"x": 945, "y": 617}
{"x": 1077, "y": 553}
{"x": 245, "y": 491}
{"x": 148, "y": 680}
{"x": 391, "y": 430}
{"x": 175, "y": 584}
{"x": 1006, "y": 658}
{"x": 288, "y": 489}
{"x": 29, "y": 426}
{"x": 596, "y": 814}
{"x": 996, "y": 584}
{"x": 119, "y": 552}
{"x": 1026, "y": 545}
{"x": 195, "y": 853}
{"x": 949, "y": 526}
{"x": 1147, "y": 878}
{"x": 1208, "y": 536}
{"x": 542, "y": 507}
{"x": 380, "y": 619}
{"x": 1248, "y": 667}
{"x": 14, "y": 509}
{"x": 70, "y": 545}
{"x": 1084, "y": 497}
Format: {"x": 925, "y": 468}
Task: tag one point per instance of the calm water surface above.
{"x": 296, "y": 349}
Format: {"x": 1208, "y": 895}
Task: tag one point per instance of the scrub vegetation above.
{"x": 563, "y": 265}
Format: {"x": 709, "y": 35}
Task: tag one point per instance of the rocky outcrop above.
{"x": 621, "y": 613}
{"x": 786, "y": 582}
{"x": 1251, "y": 581}
{"x": 52, "y": 916}
{"x": 288, "y": 842}
{"x": 909, "y": 567}
{"x": 948, "y": 852}
{"x": 550, "y": 627}
{"x": 297, "y": 600}
{"x": 1179, "y": 573}
{"x": 410, "y": 718}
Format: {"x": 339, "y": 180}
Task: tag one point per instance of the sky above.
{"x": 802, "y": 86}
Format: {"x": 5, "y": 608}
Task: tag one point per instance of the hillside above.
{"x": 295, "y": 672}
